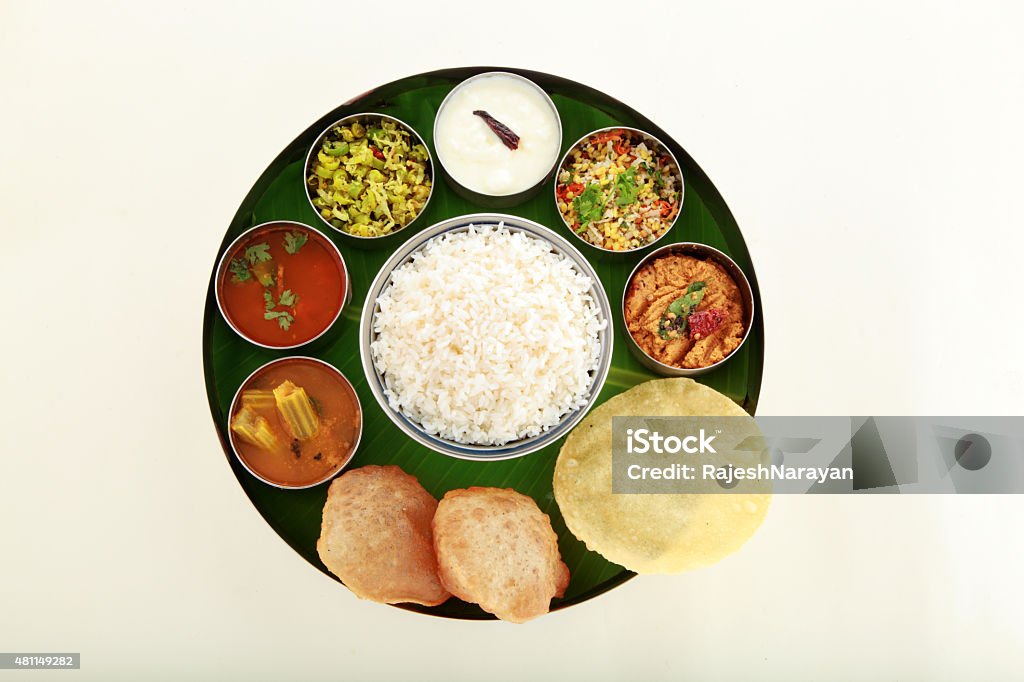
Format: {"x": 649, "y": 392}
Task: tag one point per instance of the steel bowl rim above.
{"x": 664, "y": 147}
{"x": 327, "y": 242}
{"x": 558, "y": 119}
{"x": 718, "y": 254}
{"x": 340, "y": 121}
{"x": 479, "y": 453}
{"x": 355, "y": 444}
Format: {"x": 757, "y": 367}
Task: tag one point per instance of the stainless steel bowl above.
{"x": 497, "y": 200}
{"x": 234, "y": 408}
{"x": 354, "y": 239}
{"x": 376, "y": 379}
{"x": 703, "y": 252}
{"x": 317, "y": 236}
{"x": 654, "y": 143}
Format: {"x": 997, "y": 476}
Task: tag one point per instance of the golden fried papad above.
{"x": 376, "y": 536}
{"x": 652, "y": 533}
{"x": 496, "y": 548}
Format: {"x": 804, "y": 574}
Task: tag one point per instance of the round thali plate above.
{"x": 279, "y": 194}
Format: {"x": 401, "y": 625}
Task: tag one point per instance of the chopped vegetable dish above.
{"x": 368, "y": 178}
{"x": 619, "y": 190}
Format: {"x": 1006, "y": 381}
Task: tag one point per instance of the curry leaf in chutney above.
{"x": 673, "y": 321}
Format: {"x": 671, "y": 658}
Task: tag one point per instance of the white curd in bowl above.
{"x": 475, "y": 157}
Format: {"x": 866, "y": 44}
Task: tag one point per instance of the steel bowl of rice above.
{"x": 619, "y": 189}
{"x": 486, "y": 337}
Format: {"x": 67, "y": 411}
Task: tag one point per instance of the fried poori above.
{"x": 376, "y": 536}
{"x": 496, "y": 548}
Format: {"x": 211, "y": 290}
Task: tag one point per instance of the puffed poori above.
{"x": 496, "y": 548}
{"x": 376, "y": 536}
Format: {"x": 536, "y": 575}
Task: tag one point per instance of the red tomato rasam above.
{"x": 282, "y": 285}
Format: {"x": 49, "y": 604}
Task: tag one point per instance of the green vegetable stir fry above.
{"x": 367, "y": 179}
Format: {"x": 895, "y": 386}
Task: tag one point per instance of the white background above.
{"x": 871, "y": 153}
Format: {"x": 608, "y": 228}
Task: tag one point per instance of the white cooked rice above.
{"x": 487, "y": 336}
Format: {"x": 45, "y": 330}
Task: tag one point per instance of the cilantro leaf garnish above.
{"x": 258, "y": 253}
{"x": 626, "y": 188}
{"x": 239, "y": 271}
{"x": 293, "y": 241}
{"x": 284, "y": 318}
{"x": 590, "y": 204}
{"x": 287, "y": 298}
